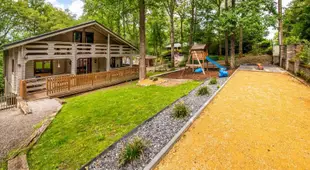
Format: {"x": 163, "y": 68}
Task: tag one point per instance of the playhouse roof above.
{"x": 198, "y": 47}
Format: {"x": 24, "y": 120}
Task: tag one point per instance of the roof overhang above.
{"x": 65, "y": 30}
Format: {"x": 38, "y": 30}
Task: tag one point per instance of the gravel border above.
{"x": 156, "y": 131}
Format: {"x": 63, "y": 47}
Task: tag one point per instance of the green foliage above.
{"x": 213, "y": 81}
{"x": 88, "y": 124}
{"x": 132, "y": 151}
{"x": 305, "y": 53}
{"x": 26, "y": 18}
{"x": 180, "y": 110}
{"x": 296, "y": 20}
{"x": 203, "y": 91}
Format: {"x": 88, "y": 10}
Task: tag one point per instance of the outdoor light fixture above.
{"x": 58, "y": 65}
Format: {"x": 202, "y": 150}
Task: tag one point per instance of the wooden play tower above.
{"x": 198, "y": 53}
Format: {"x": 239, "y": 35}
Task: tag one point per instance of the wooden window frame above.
{"x": 73, "y": 37}
{"x": 42, "y": 73}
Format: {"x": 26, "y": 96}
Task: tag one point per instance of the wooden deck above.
{"x": 59, "y": 86}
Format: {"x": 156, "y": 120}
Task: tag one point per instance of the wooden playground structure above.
{"x": 198, "y": 52}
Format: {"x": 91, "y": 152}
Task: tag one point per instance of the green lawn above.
{"x": 89, "y": 123}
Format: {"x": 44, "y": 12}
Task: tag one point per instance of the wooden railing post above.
{"x": 69, "y": 83}
{"x": 22, "y": 89}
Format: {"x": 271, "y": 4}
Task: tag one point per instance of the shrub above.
{"x": 180, "y": 110}
{"x": 169, "y": 64}
{"x": 203, "y": 91}
{"x": 213, "y": 81}
{"x": 300, "y": 74}
{"x": 155, "y": 79}
{"x": 132, "y": 151}
{"x": 218, "y": 86}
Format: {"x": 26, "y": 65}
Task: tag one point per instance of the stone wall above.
{"x": 286, "y": 59}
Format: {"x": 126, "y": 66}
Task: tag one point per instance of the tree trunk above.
{"x": 232, "y": 42}
{"x": 280, "y": 30}
{"x": 226, "y": 39}
{"x": 219, "y": 31}
{"x": 226, "y": 49}
{"x": 172, "y": 39}
{"x": 142, "y": 69}
{"x": 171, "y": 14}
{"x": 181, "y": 20}
{"x": 191, "y": 29}
{"x": 232, "y": 51}
{"x": 241, "y": 42}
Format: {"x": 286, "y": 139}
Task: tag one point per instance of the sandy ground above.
{"x": 189, "y": 74}
{"x": 15, "y": 127}
{"x": 163, "y": 82}
{"x": 258, "y": 121}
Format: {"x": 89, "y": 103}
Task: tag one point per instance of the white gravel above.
{"x": 157, "y": 132}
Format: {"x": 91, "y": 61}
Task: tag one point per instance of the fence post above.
{"x": 22, "y": 89}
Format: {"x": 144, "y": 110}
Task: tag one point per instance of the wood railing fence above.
{"x": 8, "y": 101}
{"x": 70, "y": 84}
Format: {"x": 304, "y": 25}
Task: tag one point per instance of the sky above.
{"x": 76, "y": 7}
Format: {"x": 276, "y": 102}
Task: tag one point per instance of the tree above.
{"x": 170, "y": 6}
{"x": 142, "y": 68}
{"x": 192, "y": 23}
{"x": 232, "y": 40}
{"x": 181, "y": 11}
{"x": 226, "y": 38}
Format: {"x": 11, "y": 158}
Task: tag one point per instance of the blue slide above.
{"x": 215, "y": 63}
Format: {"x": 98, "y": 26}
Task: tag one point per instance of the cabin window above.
{"x": 44, "y": 66}
{"x": 13, "y": 66}
{"x": 89, "y": 37}
{"x": 77, "y": 36}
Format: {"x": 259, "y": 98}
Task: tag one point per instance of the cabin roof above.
{"x": 61, "y": 31}
{"x": 197, "y": 47}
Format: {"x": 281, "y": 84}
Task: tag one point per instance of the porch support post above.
{"x": 108, "y": 54}
{"x": 73, "y": 60}
{"x": 20, "y": 66}
{"x": 131, "y": 58}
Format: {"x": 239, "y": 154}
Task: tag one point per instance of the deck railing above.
{"x": 68, "y": 49}
{"x": 8, "y": 101}
{"x": 70, "y": 84}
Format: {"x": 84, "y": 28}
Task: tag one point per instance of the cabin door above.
{"x": 84, "y": 65}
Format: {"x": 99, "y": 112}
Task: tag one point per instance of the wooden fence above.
{"x": 8, "y": 101}
{"x": 70, "y": 84}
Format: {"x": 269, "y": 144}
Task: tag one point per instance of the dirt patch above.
{"x": 258, "y": 121}
{"x": 189, "y": 74}
{"x": 162, "y": 82}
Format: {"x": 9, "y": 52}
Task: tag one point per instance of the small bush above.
{"x": 213, "y": 81}
{"x": 218, "y": 86}
{"x": 132, "y": 151}
{"x": 180, "y": 110}
{"x": 203, "y": 91}
{"x": 300, "y": 74}
{"x": 155, "y": 79}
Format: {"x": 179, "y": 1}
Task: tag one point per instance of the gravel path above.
{"x": 157, "y": 132}
{"x": 16, "y": 127}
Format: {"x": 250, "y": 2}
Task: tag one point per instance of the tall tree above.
{"x": 181, "y": 11}
{"x": 170, "y": 6}
{"x": 280, "y": 29}
{"x": 226, "y": 38}
{"x": 232, "y": 41}
{"x": 192, "y": 23}
{"x": 142, "y": 69}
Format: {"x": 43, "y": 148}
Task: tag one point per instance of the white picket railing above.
{"x": 42, "y": 49}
